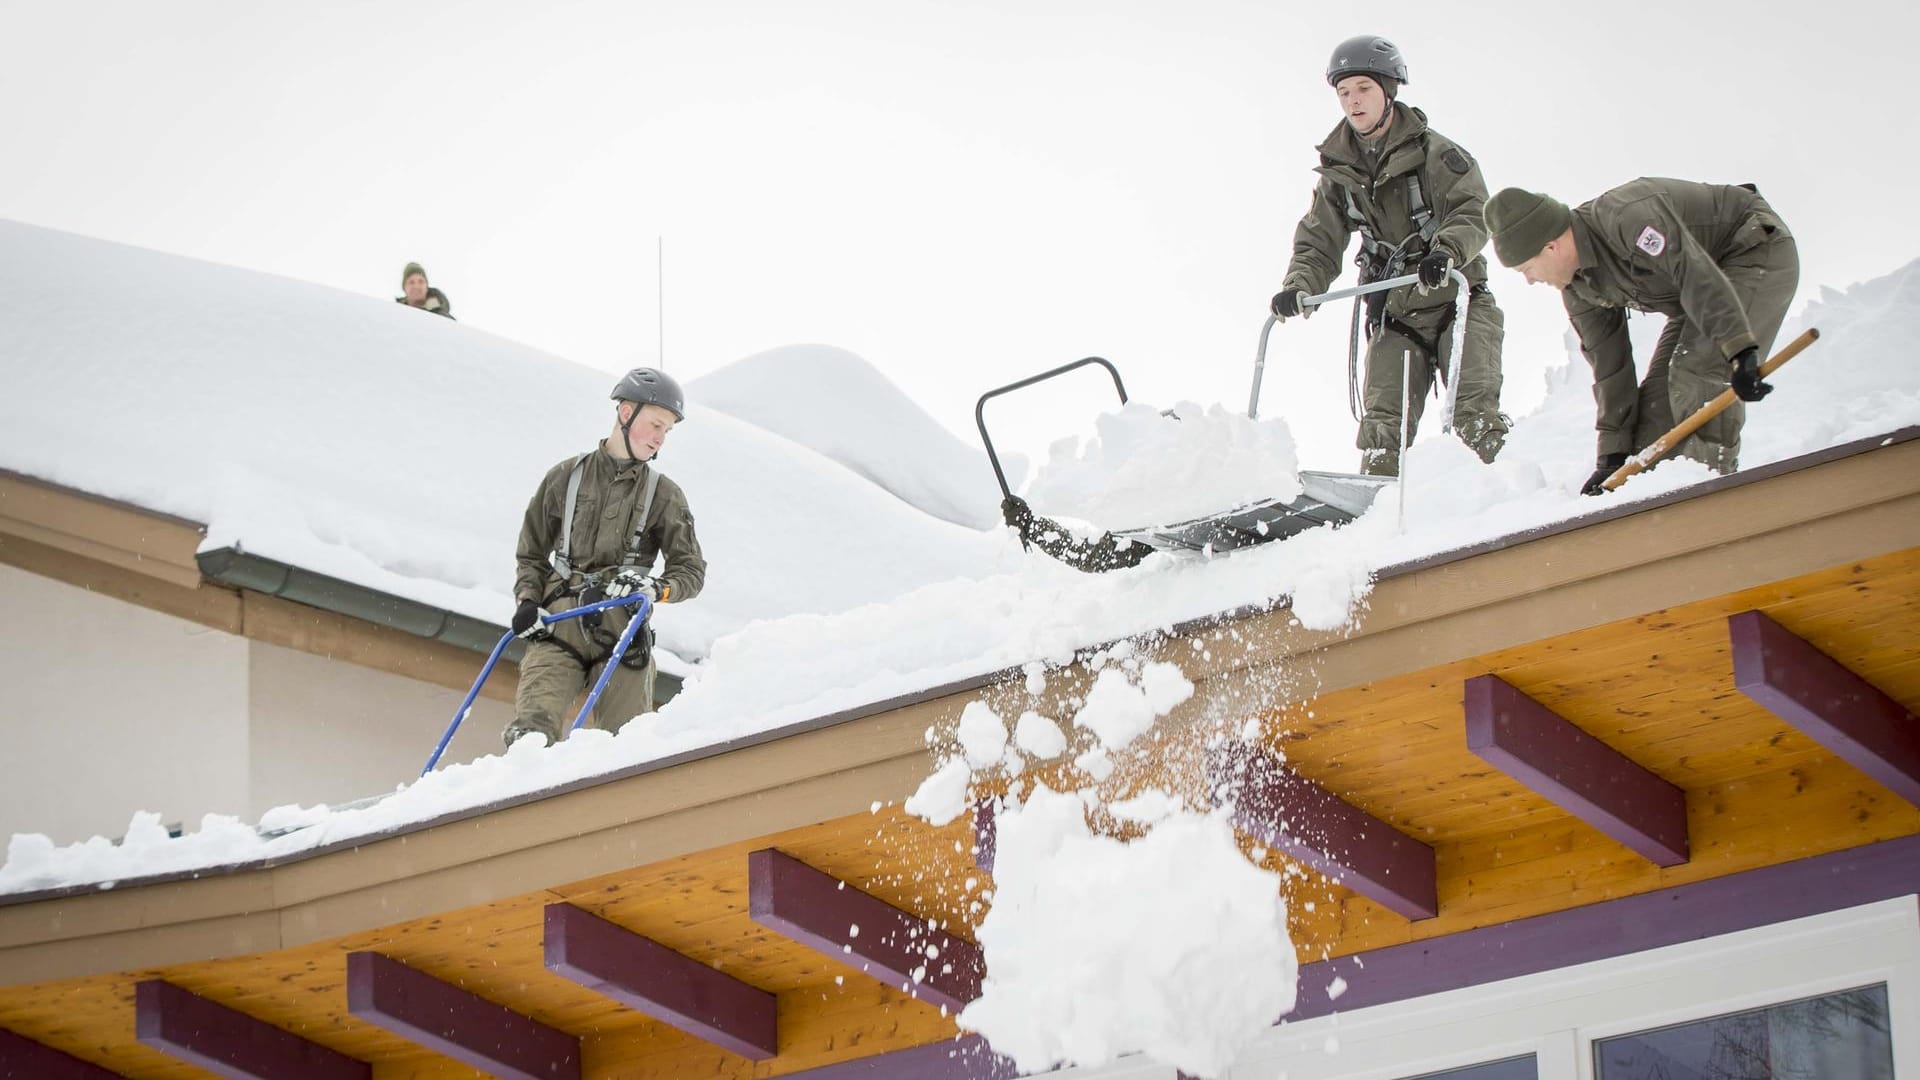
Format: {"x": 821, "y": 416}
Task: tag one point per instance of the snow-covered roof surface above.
{"x": 397, "y": 450}
{"x": 349, "y": 436}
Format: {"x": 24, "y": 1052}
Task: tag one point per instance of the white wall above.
{"x": 1558, "y": 1015}
{"x": 107, "y": 708}
{"x": 325, "y": 731}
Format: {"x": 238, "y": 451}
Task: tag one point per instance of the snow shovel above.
{"x": 1353, "y": 339}
{"x": 1664, "y": 445}
{"x": 1326, "y": 499}
{"x": 599, "y": 685}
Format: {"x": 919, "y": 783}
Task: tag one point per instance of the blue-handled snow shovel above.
{"x": 599, "y": 685}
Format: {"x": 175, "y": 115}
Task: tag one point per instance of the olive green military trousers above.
{"x": 551, "y": 680}
{"x": 1394, "y": 356}
{"x": 1687, "y": 370}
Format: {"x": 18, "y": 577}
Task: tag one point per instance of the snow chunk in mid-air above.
{"x": 982, "y": 734}
{"x": 942, "y": 796}
{"x": 1118, "y": 711}
{"x": 1039, "y": 736}
{"x": 1097, "y": 947}
{"x": 1144, "y": 467}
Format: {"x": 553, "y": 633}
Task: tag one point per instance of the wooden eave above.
{"x": 1617, "y": 623}
{"x": 147, "y": 558}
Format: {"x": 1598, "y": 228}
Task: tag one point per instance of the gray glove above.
{"x": 630, "y": 581}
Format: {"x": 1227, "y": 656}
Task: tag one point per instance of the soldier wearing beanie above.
{"x": 1714, "y": 259}
{"x": 1415, "y": 198}
{"x": 415, "y": 292}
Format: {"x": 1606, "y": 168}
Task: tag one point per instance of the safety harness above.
{"x": 1379, "y": 260}
{"x": 590, "y": 587}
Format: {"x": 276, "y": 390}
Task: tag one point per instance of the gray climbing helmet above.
{"x": 1370, "y": 55}
{"x": 650, "y": 386}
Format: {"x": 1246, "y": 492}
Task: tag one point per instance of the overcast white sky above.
{"x": 961, "y": 192}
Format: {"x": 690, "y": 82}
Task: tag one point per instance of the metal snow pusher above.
{"x": 1327, "y": 498}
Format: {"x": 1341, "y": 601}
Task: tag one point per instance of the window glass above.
{"x": 1520, "y": 1068}
{"x": 1841, "y": 1036}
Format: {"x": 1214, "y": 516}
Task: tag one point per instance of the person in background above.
{"x": 415, "y": 292}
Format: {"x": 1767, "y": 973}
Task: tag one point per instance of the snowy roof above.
{"x": 395, "y": 450}
{"x": 786, "y": 526}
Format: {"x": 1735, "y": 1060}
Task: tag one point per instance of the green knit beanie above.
{"x": 1523, "y": 222}
{"x": 412, "y": 269}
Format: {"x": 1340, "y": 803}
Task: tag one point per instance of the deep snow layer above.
{"x": 1006, "y": 609}
{"x": 397, "y": 450}
{"x": 840, "y": 405}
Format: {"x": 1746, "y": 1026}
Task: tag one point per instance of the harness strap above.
{"x": 561, "y": 558}
{"x": 1379, "y": 259}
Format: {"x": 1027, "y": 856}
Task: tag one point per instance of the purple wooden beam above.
{"x": 22, "y": 1058}
{"x": 230, "y": 1043}
{"x": 1610, "y": 928}
{"x": 1630, "y": 924}
{"x": 457, "y": 1023}
{"x": 1841, "y": 711}
{"x": 644, "y": 975}
{"x": 1294, "y": 815}
{"x": 845, "y": 924}
{"x": 985, "y": 817}
{"x": 1575, "y": 771}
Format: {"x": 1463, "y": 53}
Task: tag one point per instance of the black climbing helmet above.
{"x": 650, "y": 386}
{"x": 1370, "y": 55}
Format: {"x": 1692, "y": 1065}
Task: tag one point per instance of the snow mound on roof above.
{"x": 396, "y": 449}
{"x": 1860, "y": 379}
{"x": 837, "y": 403}
{"x": 1147, "y": 467}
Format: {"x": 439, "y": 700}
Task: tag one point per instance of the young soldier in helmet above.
{"x": 1415, "y": 197}
{"x": 592, "y": 532}
{"x": 1715, "y": 260}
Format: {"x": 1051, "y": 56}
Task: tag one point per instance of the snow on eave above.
{"x": 971, "y": 684}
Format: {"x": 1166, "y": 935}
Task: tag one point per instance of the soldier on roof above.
{"x": 415, "y": 292}
{"x": 1714, "y": 259}
{"x": 1415, "y": 197}
{"x": 593, "y": 530}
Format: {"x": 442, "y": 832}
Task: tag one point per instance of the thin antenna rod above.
{"x": 660, "y": 298}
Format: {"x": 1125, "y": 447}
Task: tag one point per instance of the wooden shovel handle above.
{"x": 1664, "y": 445}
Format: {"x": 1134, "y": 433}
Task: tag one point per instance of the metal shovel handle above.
{"x": 1383, "y": 285}
{"x": 506, "y": 639}
{"x": 980, "y": 407}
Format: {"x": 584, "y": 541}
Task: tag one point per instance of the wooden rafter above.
{"x": 1290, "y": 813}
{"x": 1575, "y": 771}
{"x": 839, "y": 921}
{"x": 1793, "y": 679}
{"x": 644, "y": 975}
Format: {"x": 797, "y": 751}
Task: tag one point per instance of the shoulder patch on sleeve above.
{"x": 1651, "y": 241}
{"x": 1457, "y": 160}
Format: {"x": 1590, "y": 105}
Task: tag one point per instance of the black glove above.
{"x": 1017, "y": 513}
{"x": 1286, "y": 302}
{"x": 1604, "y": 466}
{"x": 1433, "y": 270}
{"x": 1747, "y": 383}
{"x": 527, "y": 624}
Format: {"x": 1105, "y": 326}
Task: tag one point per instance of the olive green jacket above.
{"x": 1449, "y": 179}
{"x": 1657, "y": 245}
{"x": 435, "y": 301}
{"x": 603, "y": 511}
